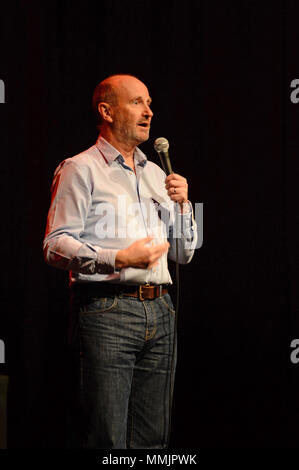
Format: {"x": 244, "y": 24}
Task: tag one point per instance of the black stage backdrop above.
{"x": 219, "y": 74}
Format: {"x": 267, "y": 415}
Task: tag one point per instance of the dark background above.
{"x": 219, "y": 74}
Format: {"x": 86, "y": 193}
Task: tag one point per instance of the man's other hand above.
{"x": 140, "y": 254}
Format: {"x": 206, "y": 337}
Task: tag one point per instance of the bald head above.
{"x": 108, "y": 91}
{"x": 122, "y": 106}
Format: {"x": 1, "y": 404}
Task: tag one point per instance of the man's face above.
{"x": 132, "y": 114}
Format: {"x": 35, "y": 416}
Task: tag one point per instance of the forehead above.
{"x": 130, "y": 87}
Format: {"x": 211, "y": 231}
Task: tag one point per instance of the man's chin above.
{"x": 143, "y": 137}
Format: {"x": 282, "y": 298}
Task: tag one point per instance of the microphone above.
{"x": 161, "y": 146}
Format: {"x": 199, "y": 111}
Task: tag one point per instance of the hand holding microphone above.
{"x": 176, "y": 185}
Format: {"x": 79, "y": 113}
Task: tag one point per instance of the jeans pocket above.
{"x": 166, "y": 300}
{"x": 99, "y": 305}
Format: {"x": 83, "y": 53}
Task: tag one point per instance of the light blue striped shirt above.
{"x": 99, "y": 206}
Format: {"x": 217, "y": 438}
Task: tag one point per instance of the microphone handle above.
{"x": 165, "y": 162}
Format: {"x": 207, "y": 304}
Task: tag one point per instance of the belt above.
{"x": 141, "y": 292}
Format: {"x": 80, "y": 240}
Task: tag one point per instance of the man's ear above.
{"x": 105, "y": 111}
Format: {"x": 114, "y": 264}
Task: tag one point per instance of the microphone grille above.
{"x": 161, "y": 144}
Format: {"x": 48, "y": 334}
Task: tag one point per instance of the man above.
{"x": 110, "y": 217}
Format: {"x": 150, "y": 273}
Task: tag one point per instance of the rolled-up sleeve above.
{"x": 184, "y": 229}
{"x": 62, "y": 246}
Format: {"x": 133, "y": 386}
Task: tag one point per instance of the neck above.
{"x": 126, "y": 149}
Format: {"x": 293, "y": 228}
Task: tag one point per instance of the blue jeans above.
{"x": 127, "y": 352}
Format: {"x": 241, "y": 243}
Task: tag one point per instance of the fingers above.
{"x": 143, "y": 255}
{"x": 174, "y": 177}
{"x": 177, "y": 185}
{"x": 146, "y": 240}
{"x": 178, "y": 194}
{"x": 162, "y": 247}
{"x": 152, "y": 265}
{"x": 156, "y": 252}
{"x": 177, "y": 188}
{"x": 154, "y": 248}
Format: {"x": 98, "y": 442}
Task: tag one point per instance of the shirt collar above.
{"x": 110, "y": 153}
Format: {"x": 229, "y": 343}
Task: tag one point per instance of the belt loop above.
{"x": 140, "y": 296}
{"x": 160, "y": 288}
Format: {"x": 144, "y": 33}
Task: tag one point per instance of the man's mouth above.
{"x": 144, "y": 124}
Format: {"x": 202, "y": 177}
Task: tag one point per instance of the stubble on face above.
{"x": 126, "y": 115}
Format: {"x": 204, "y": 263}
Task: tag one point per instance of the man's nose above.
{"x": 148, "y": 112}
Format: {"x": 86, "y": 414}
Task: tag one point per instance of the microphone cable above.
{"x": 172, "y": 364}
{"x": 161, "y": 146}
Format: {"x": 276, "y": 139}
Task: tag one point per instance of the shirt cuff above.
{"x": 186, "y": 209}
{"x": 106, "y": 260}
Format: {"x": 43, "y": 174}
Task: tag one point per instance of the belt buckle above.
{"x": 140, "y": 296}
